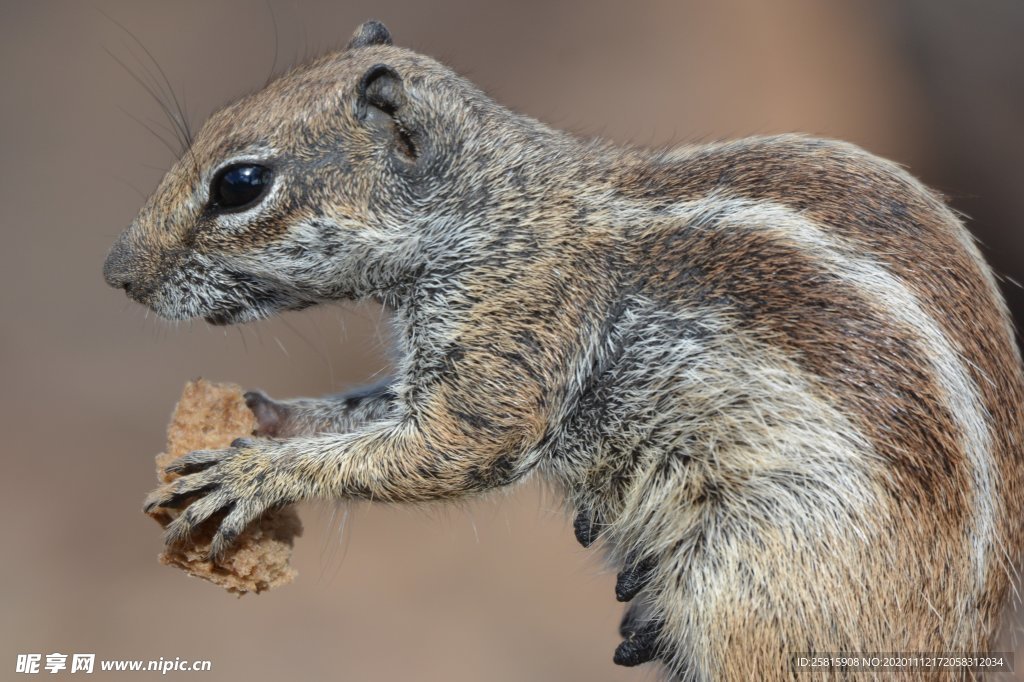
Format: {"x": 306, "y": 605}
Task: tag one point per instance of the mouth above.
{"x": 222, "y": 318}
{"x": 221, "y": 298}
{"x": 237, "y": 314}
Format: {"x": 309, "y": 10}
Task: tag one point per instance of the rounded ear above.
{"x": 380, "y": 102}
{"x": 381, "y": 87}
{"x": 371, "y": 32}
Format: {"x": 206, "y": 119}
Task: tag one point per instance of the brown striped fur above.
{"x": 773, "y": 375}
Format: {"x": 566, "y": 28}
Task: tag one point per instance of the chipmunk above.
{"x": 774, "y": 376}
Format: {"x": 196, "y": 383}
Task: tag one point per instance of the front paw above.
{"x": 239, "y": 484}
{"x": 271, "y": 416}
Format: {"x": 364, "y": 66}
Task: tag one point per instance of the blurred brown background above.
{"x": 494, "y": 590}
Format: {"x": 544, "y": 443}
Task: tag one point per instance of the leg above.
{"x": 338, "y": 413}
{"x": 397, "y": 460}
{"x": 469, "y": 425}
{"x": 640, "y": 639}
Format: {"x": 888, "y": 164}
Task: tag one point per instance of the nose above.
{"x": 117, "y": 268}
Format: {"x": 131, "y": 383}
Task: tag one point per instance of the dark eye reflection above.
{"x": 239, "y": 186}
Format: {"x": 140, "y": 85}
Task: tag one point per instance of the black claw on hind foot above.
{"x": 633, "y": 578}
{"x": 586, "y": 528}
{"x": 641, "y": 643}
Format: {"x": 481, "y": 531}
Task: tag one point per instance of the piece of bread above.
{"x": 208, "y": 417}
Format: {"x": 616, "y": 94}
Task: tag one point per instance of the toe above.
{"x": 269, "y": 415}
{"x": 177, "y": 493}
{"x": 586, "y": 528}
{"x": 633, "y": 578}
{"x": 194, "y": 462}
{"x": 230, "y": 528}
{"x": 640, "y": 645}
{"x": 199, "y": 511}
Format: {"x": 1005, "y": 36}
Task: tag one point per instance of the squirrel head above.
{"x": 306, "y": 191}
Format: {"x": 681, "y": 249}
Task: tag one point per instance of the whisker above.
{"x": 167, "y": 88}
{"x": 126, "y": 182}
{"x": 151, "y": 130}
{"x": 281, "y": 346}
{"x": 180, "y": 120}
{"x": 273, "y": 21}
{"x": 245, "y": 346}
{"x": 161, "y": 94}
{"x": 309, "y": 343}
{"x": 256, "y": 330}
{"x": 327, "y": 352}
{"x": 152, "y": 93}
{"x": 305, "y": 36}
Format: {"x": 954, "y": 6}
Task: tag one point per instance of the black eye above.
{"x": 239, "y": 186}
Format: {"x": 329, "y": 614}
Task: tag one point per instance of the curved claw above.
{"x": 176, "y": 494}
{"x": 195, "y": 461}
{"x": 634, "y": 578}
{"x": 232, "y": 488}
{"x": 640, "y": 645}
{"x": 586, "y": 528}
{"x": 230, "y": 528}
{"x": 180, "y": 528}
